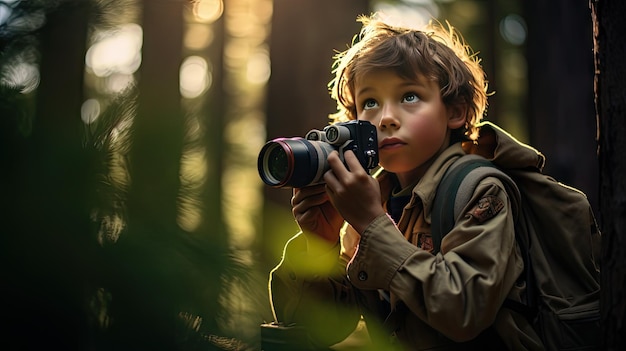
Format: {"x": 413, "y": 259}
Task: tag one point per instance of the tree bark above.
{"x": 609, "y": 33}
{"x": 53, "y": 252}
{"x": 147, "y": 289}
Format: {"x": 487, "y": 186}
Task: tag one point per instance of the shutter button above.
{"x": 362, "y": 276}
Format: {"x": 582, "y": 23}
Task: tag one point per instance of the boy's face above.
{"x": 412, "y": 121}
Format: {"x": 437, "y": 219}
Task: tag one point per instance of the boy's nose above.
{"x": 388, "y": 120}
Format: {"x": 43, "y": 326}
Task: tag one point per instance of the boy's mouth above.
{"x": 390, "y": 143}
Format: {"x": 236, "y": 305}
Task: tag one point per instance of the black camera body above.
{"x": 298, "y": 162}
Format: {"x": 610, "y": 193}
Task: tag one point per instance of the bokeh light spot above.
{"x": 208, "y": 11}
{"x": 116, "y": 83}
{"x": 90, "y": 111}
{"x": 195, "y": 77}
{"x": 5, "y": 12}
{"x": 258, "y": 71}
{"x": 198, "y": 36}
{"x": 119, "y": 51}
{"x": 513, "y": 29}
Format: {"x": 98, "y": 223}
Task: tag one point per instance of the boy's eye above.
{"x": 369, "y": 103}
{"x": 411, "y": 97}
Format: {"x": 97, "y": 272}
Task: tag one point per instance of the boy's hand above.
{"x": 353, "y": 192}
{"x": 315, "y": 214}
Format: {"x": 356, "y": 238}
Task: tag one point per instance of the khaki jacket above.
{"x": 448, "y": 300}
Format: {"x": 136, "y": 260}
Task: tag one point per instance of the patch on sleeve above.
{"x": 425, "y": 242}
{"x": 486, "y": 208}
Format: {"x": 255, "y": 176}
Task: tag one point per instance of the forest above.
{"x": 133, "y": 215}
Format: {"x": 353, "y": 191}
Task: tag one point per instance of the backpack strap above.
{"x": 453, "y": 194}
{"x": 443, "y": 214}
{"x": 457, "y": 187}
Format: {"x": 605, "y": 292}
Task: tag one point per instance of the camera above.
{"x": 298, "y": 162}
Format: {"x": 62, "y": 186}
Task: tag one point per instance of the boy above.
{"x": 365, "y": 247}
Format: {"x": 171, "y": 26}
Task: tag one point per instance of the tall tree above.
{"x": 609, "y": 33}
{"x": 147, "y": 285}
{"x": 50, "y": 254}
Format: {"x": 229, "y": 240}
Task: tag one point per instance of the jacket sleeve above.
{"x": 309, "y": 289}
{"x": 457, "y": 291}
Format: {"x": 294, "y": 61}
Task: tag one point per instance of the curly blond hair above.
{"x": 436, "y": 52}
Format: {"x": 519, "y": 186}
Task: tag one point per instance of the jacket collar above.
{"x": 426, "y": 188}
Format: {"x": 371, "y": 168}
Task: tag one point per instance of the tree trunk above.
{"x": 148, "y": 282}
{"x": 53, "y": 252}
{"x": 158, "y": 126}
{"x": 212, "y": 233}
{"x": 609, "y": 33}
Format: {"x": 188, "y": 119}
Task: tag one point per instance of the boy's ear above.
{"x": 456, "y": 116}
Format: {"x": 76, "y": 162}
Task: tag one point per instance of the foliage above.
{"x": 77, "y": 273}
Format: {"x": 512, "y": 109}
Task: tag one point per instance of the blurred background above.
{"x": 133, "y": 215}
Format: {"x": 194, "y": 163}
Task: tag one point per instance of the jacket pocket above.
{"x": 574, "y": 328}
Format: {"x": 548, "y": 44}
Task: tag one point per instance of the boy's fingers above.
{"x": 300, "y": 194}
{"x": 352, "y": 161}
{"x": 335, "y": 163}
{"x": 340, "y": 169}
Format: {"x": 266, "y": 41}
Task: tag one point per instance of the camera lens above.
{"x": 293, "y": 162}
{"x": 277, "y": 163}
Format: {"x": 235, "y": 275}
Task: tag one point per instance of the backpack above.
{"x": 555, "y": 229}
